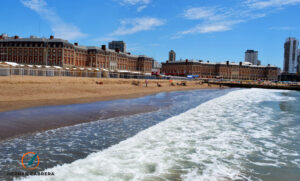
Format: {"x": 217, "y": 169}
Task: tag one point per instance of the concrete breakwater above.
{"x": 264, "y": 86}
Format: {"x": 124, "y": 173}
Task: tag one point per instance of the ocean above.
{"x": 230, "y": 134}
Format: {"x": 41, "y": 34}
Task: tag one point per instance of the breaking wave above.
{"x": 223, "y": 139}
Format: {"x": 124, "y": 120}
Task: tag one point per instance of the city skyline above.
{"x": 194, "y": 29}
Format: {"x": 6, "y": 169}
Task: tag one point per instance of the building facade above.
{"x": 251, "y": 56}
{"x": 156, "y": 67}
{"x": 59, "y": 52}
{"x": 172, "y": 56}
{"x": 121, "y": 45}
{"x": 290, "y": 55}
{"x": 227, "y": 70}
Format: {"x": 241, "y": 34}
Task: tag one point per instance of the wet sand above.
{"x": 20, "y": 122}
{"x": 25, "y": 92}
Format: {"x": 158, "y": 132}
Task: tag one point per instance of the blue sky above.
{"x": 215, "y": 30}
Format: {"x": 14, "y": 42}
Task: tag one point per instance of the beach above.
{"x": 107, "y": 129}
{"x": 19, "y": 92}
{"x": 35, "y": 104}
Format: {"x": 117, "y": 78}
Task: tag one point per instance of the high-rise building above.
{"x": 298, "y": 61}
{"x": 121, "y": 45}
{"x": 172, "y": 56}
{"x": 290, "y": 55}
{"x": 252, "y": 57}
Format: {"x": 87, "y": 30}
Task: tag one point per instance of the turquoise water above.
{"x": 244, "y": 134}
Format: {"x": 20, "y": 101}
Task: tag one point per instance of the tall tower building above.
{"x": 298, "y": 70}
{"x": 121, "y": 45}
{"x": 290, "y": 55}
{"x": 252, "y": 57}
{"x": 172, "y": 56}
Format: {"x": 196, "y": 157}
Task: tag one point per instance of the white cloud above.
{"x": 36, "y": 5}
{"x": 201, "y": 13}
{"x": 141, "y": 8}
{"x": 208, "y": 28}
{"x": 134, "y": 2}
{"x": 131, "y": 26}
{"x": 259, "y": 4}
{"x": 58, "y": 26}
{"x": 141, "y": 3}
{"x": 213, "y": 20}
{"x": 216, "y": 19}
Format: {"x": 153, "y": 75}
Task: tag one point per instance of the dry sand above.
{"x": 17, "y": 92}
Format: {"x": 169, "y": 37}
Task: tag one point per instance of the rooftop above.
{"x": 290, "y": 39}
{"x": 251, "y": 51}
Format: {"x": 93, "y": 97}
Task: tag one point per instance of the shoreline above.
{"x": 24, "y": 122}
{"x": 20, "y": 123}
{"x": 29, "y": 92}
{"x": 28, "y": 104}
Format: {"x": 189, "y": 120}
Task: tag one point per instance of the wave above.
{"x": 214, "y": 141}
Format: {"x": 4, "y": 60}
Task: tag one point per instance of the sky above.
{"x": 214, "y": 30}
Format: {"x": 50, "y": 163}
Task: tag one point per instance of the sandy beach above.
{"x": 63, "y": 101}
{"x": 25, "y": 92}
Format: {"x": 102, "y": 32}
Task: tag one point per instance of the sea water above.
{"x": 67, "y": 144}
{"x": 247, "y": 134}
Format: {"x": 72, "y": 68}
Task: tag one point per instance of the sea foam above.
{"x": 213, "y": 141}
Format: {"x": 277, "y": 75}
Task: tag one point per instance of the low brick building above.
{"x": 226, "y": 70}
{"x": 59, "y": 52}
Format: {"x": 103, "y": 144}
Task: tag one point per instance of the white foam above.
{"x": 209, "y": 142}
